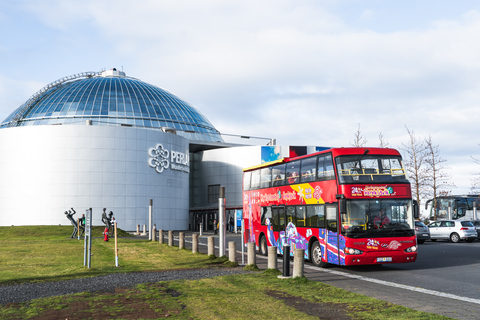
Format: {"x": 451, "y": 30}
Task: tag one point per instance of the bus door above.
{"x": 331, "y": 224}
{"x": 460, "y": 209}
{"x": 278, "y": 218}
{"x": 279, "y": 224}
{"x": 332, "y": 217}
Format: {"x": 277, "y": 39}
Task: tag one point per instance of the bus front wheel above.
{"x": 316, "y": 255}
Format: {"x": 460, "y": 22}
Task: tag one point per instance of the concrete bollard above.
{"x": 298, "y": 263}
{"x": 232, "y": 251}
{"x": 181, "y": 240}
{"x": 251, "y": 257}
{"x": 170, "y": 238}
{"x": 160, "y": 236}
{"x": 211, "y": 246}
{"x": 194, "y": 243}
{"x": 138, "y": 230}
{"x": 154, "y": 234}
{"x": 144, "y": 233}
{"x": 272, "y": 257}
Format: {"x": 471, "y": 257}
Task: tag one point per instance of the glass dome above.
{"x": 111, "y": 98}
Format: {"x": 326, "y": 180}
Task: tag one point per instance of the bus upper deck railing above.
{"x": 363, "y": 175}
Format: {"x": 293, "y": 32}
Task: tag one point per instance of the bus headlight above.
{"x": 352, "y": 251}
{"x": 411, "y": 249}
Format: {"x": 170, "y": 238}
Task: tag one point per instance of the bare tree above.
{"x": 383, "y": 143}
{"x": 415, "y": 163}
{"x": 438, "y": 179}
{"x": 475, "y": 183}
{"x": 359, "y": 140}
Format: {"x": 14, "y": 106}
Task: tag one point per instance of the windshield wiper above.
{"x": 357, "y": 162}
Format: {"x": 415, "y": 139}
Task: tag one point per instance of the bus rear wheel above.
{"x": 316, "y": 255}
{"x": 263, "y": 246}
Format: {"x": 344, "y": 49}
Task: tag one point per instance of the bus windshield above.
{"x": 378, "y": 218}
{"x": 370, "y": 168}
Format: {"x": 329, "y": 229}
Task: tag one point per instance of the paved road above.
{"x": 444, "y": 280}
{"x": 452, "y": 268}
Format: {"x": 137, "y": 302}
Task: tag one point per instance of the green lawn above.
{"x": 30, "y": 254}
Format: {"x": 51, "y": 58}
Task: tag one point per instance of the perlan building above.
{"x": 105, "y": 140}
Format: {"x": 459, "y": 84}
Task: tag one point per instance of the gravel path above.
{"x": 107, "y": 283}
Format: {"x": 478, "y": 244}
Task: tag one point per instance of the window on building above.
{"x": 213, "y": 193}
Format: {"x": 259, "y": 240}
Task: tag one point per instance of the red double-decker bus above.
{"x": 343, "y": 206}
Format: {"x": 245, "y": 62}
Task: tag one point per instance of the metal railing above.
{"x": 226, "y": 137}
{"x": 53, "y": 86}
{"x": 247, "y": 140}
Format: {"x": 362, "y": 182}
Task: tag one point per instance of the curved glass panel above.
{"x": 113, "y": 101}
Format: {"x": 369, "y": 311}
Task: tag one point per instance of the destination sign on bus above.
{"x": 377, "y": 191}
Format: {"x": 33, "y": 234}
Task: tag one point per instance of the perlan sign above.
{"x": 161, "y": 159}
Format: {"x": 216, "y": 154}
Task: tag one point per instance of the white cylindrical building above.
{"x": 99, "y": 140}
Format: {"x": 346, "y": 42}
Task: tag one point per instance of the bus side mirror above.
{"x": 416, "y": 214}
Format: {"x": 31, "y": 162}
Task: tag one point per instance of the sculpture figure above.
{"x": 110, "y": 223}
{"x": 69, "y": 215}
{"x": 107, "y": 220}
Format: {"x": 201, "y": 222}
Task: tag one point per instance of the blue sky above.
{"x": 303, "y": 72}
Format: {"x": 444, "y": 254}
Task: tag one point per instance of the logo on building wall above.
{"x": 158, "y": 158}
{"x": 161, "y": 159}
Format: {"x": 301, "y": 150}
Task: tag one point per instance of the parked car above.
{"x": 422, "y": 232}
{"x": 452, "y": 230}
{"x": 476, "y": 224}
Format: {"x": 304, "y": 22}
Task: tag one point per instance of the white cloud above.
{"x": 367, "y": 14}
{"x": 289, "y": 70}
{"x": 61, "y": 15}
{"x": 13, "y": 93}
